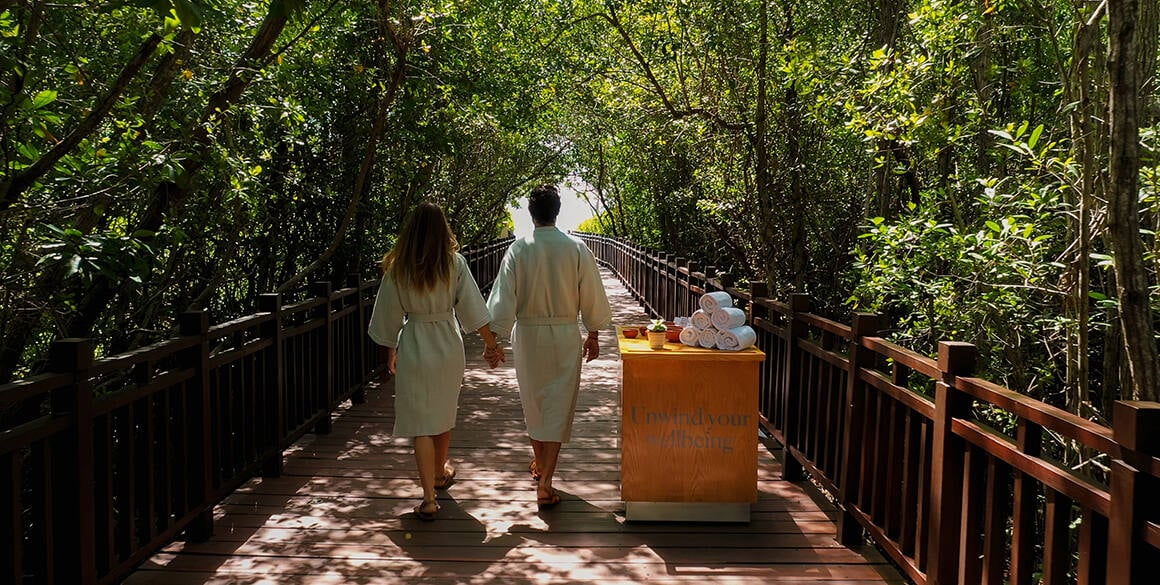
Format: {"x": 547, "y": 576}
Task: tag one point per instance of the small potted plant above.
{"x": 657, "y": 331}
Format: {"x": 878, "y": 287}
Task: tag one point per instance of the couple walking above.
{"x": 428, "y": 294}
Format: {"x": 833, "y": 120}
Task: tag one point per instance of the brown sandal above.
{"x": 549, "y": 501}
{"x": 424, "y": 515}
{"x": 442, "y": 483}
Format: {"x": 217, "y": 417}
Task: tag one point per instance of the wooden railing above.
{"x": 104, "y": 461}
{"x": 955, "y": 478}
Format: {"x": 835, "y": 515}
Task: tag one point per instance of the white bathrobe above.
{"x": 545, "y": 280}
{"x": 430, "y": 363}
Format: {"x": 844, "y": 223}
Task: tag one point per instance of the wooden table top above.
{"x": 638, "y": 348}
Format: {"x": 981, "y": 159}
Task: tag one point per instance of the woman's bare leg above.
{"x": 425, "y": 460}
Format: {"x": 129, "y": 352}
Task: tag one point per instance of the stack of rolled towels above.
{"x": 718, "y": 324}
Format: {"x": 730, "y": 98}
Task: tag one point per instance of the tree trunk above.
{"x": 153, "y": 97}
{"x": 1123, "y": 207}
{"x": 984, "y": 88}
{"x": 797, "y": 194}
{"x": 1077, "y": 86}
{"x": 762, "y": 171}
{"x": 1148, "y": 25}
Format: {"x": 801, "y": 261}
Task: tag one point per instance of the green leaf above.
{"x": 187, "y": 13}
{"x": 1035, "y": 136}
{"x": 994, "y": 226}
{"x": 43, "y": 99}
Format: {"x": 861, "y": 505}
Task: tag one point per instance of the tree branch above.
{"x": 26, "y": 178}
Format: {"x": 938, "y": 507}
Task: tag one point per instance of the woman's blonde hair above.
{"x": 425, "y": 251}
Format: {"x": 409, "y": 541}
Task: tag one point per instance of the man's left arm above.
{"x": 594, "y": 308}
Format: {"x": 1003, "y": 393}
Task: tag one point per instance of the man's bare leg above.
{"x": 547, "y": 455}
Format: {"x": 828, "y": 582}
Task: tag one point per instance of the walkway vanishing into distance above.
{"x": 341, "y": 511}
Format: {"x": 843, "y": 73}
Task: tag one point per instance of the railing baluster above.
{"x": 1093, "y": 551}
{"x": 995, "y": 522}
{"x": 1029, "y": 437}
{"x": 1056, "y": 549}
{"x": 274, "y": 397}
{"x": 974, "y": 515}
{"x": 854, "y": 455}
{"x": 325, "y": 399}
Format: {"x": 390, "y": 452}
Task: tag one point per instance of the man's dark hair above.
{"x": 544, "y": 204}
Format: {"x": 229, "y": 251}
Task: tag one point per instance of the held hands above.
{"x": 494, "y": 355}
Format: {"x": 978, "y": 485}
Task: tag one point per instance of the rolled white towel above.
{"x": 707, "y": 338}
{"x": 727, "y": 318}
{"x": 715, "y": 300}
{"x": 701, "y": 320}
{"x": 737, "y": 338}
{"x": 690, "y": 335}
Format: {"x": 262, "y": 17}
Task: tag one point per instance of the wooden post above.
{"x": 955, "y": 358}
{"x": 758, "y": 290}
{"x": 691, "y": 299}
{"x": 275, "y": 393}
{"x": 359, "y": 396}
{"x": 73, "y": 529}
{"x": 200, "y": 457}
{"x": 854, "y": 461}
{"x": 652, "y": 277}
{"x": 1136, "y": 427}
{"x": 680, "y": 290}
{"x": 791, "y": 391}
{"x": 662, "y": 305}
{"x": 1029, "y": 439}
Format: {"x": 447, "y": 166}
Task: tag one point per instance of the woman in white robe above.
{"x": 544, "y": 281}
{"x": 426, "y": 296}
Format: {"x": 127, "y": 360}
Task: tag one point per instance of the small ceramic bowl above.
{"x": 643, "y": 330}
{"x": 630, "y": 333}
{"x": 674, "y": 333}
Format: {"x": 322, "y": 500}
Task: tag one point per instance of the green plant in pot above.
{"x": 657, "y": 331}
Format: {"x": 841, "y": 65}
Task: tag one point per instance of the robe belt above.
{"x": 545, "y": 320}
{"x": 430, "y": 317}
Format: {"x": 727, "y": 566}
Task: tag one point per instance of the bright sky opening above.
{"x": 573, "y": 210}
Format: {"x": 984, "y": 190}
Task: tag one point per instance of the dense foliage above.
{"x": 942, "y": 163}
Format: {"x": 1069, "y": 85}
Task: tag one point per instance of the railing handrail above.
{"x": 839, "y": 398}
{"x": 140, "y": 446}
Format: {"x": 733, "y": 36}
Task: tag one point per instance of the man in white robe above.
{"x": 545, "y": 280}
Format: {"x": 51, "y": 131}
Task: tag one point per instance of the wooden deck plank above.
{"x": 341, "y": 511}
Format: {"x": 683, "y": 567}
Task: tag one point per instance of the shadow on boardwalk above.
{"x": 341, "y": 512}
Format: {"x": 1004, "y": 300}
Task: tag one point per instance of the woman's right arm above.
{"x": 386, "y": 322}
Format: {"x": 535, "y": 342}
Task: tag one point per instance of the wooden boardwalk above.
{"x": 341, "y": 512}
